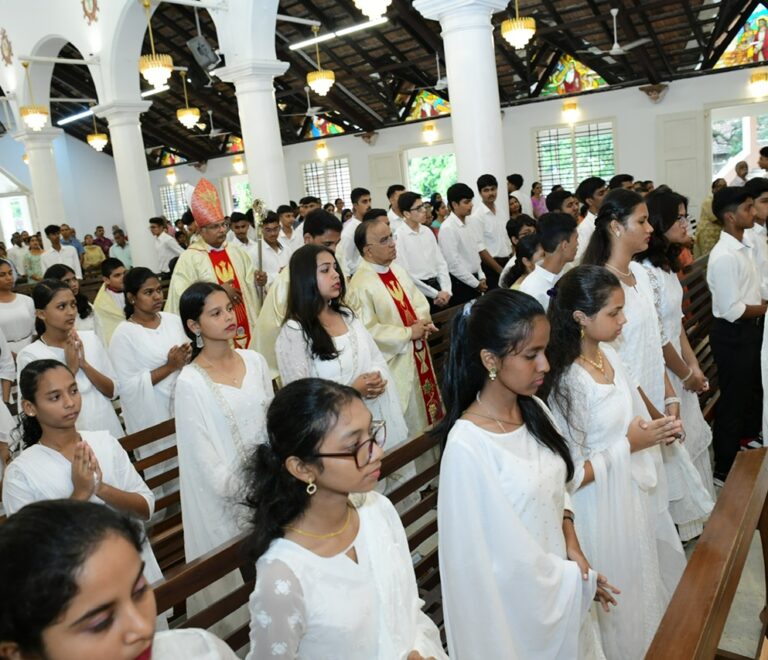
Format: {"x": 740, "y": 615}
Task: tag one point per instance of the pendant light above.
{"x": 155, "y": 68}
{"x": 322, "y": 80}
{"x": 186, "y": 115}
{"x": 373, "y": 9}
{"x": 34, "y": 116}
{"x": 97, "y": 140}
{"x": 518, "y": 31}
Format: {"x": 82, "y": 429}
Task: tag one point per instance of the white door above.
{"x": 385, "y": 170}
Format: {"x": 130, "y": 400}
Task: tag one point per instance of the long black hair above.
{"x": 525, "y": 249}
{"x": 42, "y": 295}
{"x": 663, "y": 210}
{"x": 191, "y": 306}
{"x": 298, "y": 419}
{"x": 43, "y": 548}
{"x": 57, "y": 272}
{"x": 133, "y": 280}
{"x": 617, "y": 205}
{"x": 305, "y": 302}
{"x": 584, "y": 289}
{"x": 29, "y": 378}
{"x": 499, "y": 322}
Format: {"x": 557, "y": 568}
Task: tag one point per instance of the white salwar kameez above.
{"x": 508, "y": 589}
{"x": 17, "y": 321}
{"x": 615, "y": 514}
{"x": 639, "y": 347}
{"x": 97, "y": 412}
{"x": 668, "y": 298}
{"x": 217, "y": 428}
{"x": 308, "y": 607}
{"x": 189, "y": 644}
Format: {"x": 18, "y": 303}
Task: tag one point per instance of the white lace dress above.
{"x": 615, "y": 517}
{"x": 668, "y": 299}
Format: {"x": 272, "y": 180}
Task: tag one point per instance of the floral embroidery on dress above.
{"x": 263, "y": 619}
{"x": 282, "y": 587}
{"x": 295, "y": 619}
{"x": 279, "y": 648}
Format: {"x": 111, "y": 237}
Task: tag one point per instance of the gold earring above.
{"x": 492, "y": 373}
{"x": 581, "y": 332}
{"x": 616, "y": 234}
{"x": 311, "y": 488}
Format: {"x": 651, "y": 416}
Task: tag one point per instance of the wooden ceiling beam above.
{"x": 653, "y": 36}
{"x": 733, "y": 16}
{"x": 632, "y": 34}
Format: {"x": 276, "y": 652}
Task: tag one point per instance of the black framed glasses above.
{"x": 363, "y": 453}
{"x": 418, "y": 209}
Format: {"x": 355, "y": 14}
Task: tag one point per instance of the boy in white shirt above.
{"x": 395, "y": 217}
{"x": 493, "y": 220}
{"x": 166, "y": 247}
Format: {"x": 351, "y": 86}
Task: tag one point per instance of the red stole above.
{"x": 427, "y": 379}
{"x": 225, "y": 272}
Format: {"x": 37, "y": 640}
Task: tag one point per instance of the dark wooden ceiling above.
{"x": 374, "y": 66}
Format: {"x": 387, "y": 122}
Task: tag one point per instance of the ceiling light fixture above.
{"x": 34, "y": 116}
{"x": 25, "y": 159}
{"x": 170, "y": 176}
{"x": 758, "y": 83}
{"x": 321, "y": 150}
{"x": 88, "y": 113}
{"x": 518, "y": 31}
{"x": 373, "y": 9}
{"x": 186, "y": 115}
{"x": 429, "y": 132}
{"x": 155, "y": 68}
{"x": 321, "y": 80}
{"x": 339, "y": 33}
{"x": 571, "y": 111}
{"x": 97, "y": 140}
{"x": 238, "y": 164}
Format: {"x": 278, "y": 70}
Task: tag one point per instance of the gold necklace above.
{"x": 628, "y": 274}
{"x": 324, "y": 536}
{"x": 599, "y": 364}
{"x": 213, "y": 367}
{"x": 494, "y": 419}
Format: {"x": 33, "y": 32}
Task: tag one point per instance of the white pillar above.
{"x": 132, "y": 176}
{"x": 254, "y": 87}
{"x": 46, "y": 189}
{"x": 471, "y": 69}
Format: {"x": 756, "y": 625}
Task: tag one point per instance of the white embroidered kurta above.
{"x": 17, "y": 321}
{"x": 378, "y": 312}
{"x": 97, "y": 412}
{"x": 40, "y": 473}
{"x": 189, "y": 644}
{"x": 508, "y": 589}
{"x": 615, "y": 514}
{"x": 307, "y": 607}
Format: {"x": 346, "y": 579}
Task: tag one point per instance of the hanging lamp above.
{"x": 34, "y": 116}
{"x": 156, "y": 68}
{"x": 186, "y": 115}
{"x": 97, "y": 140}
{"x": 429, "y": 132}
{"x": 373, "y": 9}
{"x": 322, "y": 80}
{"x": 518, "y": 31}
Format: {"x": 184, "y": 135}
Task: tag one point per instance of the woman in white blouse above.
{"x": 17, "y": 311}
{"x": 334, "y": 577}
{"x": 322, "y": 338}
{"x": 86, "y": 318}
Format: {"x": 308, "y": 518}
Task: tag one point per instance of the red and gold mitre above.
{"x": 205, "y": 205}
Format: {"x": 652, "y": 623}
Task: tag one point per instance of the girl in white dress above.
{"x": 86, "y": 318}
{"x": 221, "y": 403}
{"x": 334, "y": 577}
{"x": 59, "y": 462}
{"x": 322, "y": 338}
{"x": 77, "y": 566}
{"x": 512, "y": 571}
{"x": 17, "y": 311}
{"x": 669, "y": 217}
{"x": 622, "y": 230}
{"x": 82, "y": 352}
{"x": 605, "y": 422}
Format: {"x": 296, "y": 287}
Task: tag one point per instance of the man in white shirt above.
{"x": 461, "y": 240}
{"x": 737, "y": 330}
{"x": 395, "y": 217}
{"x": 493, "y": 222}
{"x": 274, "y": 256}
{"x": 240, "y": 228}
{"x": 121, "y": 249}
{"x": 626, "y": 181}
{"x": 307, "y": 205}
{"x": 419, "y": 254}
{"x": 756, "y": 236}
{"x": 347, "y": 254}
{"x": 559, "y": 240}
{"x": 591, "y": 193}
{"x": 563, "y": 201}
{"x": 60, "y": 254}
{"x": 742, "y": 169}
{"x": 16, "y": 253}
{"x": 166, "y": 247}
{"x": 514, "y": 186}
{"x": 289, "y": 238}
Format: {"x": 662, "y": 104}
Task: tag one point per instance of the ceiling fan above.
{"x": 616, "y": 49}
{"x": 311, "y": 111}
{"x": 440, "y": 84}
{"x": 213, "y": 132}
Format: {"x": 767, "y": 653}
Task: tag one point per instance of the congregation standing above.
{"x": 291, "y": 353}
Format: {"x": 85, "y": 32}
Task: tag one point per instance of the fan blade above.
{"x": 635, "y": 44}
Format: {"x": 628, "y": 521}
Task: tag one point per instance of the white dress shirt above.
{"x": 420, "y": 256}
{"x": 461, "y": 243}
{"x": 584, "y": 231}
{"x": 273, "y": 260}
{"x": 495, "y": 237}
{"x": 122, "y": 253}
{"x": 291, "y": 244}
{"x": 167, "y": 248}
{"x": 732, "y": 278}
{"x": 67, "y": 256}
{"x": 538, "y": 282}
{"x": 347, "y": 254}
{"x": 757, "y": 239}
{"x": 395, "y": 221}
{"x": 16, "y": 256}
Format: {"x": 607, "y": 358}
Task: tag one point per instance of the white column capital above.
{"x": 437, "y": 10}
{"x": 119, "y": 113}
{"x": 258, "y": 74}
{"x": 38, "y": 139}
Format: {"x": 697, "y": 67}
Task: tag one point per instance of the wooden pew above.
{"x": 694, "y": 621}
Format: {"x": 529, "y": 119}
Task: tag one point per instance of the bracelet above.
{"x": 671, "y": 399}
{"x": 690, "y": 373}
{"x": 568, "y": 515}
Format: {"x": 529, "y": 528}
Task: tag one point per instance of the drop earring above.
{"x": 199, "y": 340}
{"x": 581, "y": 332}
{"x": 492, "y": 373}
{"x": 311, "y": 488}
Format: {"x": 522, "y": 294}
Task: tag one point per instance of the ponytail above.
{"x": 617, "y": 205}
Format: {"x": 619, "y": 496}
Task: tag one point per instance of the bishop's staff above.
{"x": 259, "y": 212}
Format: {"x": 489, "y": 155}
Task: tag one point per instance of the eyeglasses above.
{"x": 363, "y": 453}
{"x": 217, "y": 225}
{"x": 387, "y": 240}
{"x": 683, "y": 219}
{"x": 418, "y": 209}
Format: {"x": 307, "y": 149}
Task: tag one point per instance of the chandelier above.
{"x": 186, "y": 115}
{"x": 322, "y": 80}
{"x": 155, "y": 68}
{"x": 518, "y": 31}
{"x": 34, "y": 116}
{"x": 97, "y": 140}
{"x": 373, "y": 9}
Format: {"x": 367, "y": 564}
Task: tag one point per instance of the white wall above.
{"x": 88, "y": 182}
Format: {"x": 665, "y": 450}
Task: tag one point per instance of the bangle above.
{"x": 690, "y": 373}
{"x": 568, "y": 515}
{"x": 671, "y": 399}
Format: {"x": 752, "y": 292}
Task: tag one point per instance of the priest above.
{"x": 212, "y": 259}
{"x": 396, "y": 314}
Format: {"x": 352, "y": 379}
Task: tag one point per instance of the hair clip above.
{"x": 552, "y": 293}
